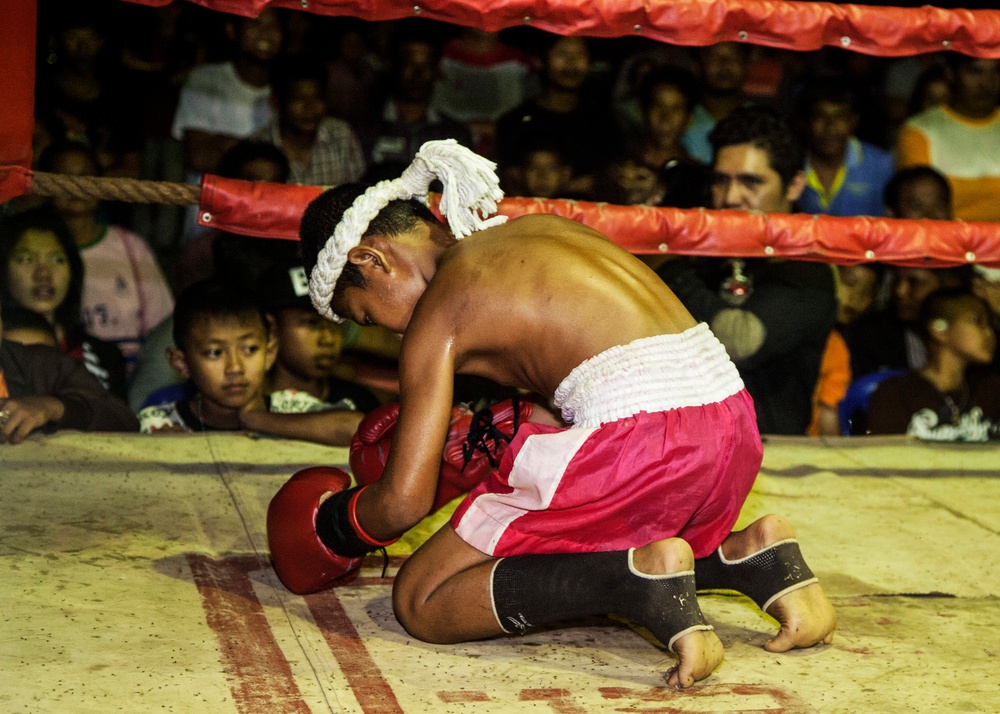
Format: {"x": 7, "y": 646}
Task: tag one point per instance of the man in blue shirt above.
{"x": 844, "y": 175}
{"x": 723, "y": 69}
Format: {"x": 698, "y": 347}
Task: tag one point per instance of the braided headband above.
{"x": 471, "y": 192}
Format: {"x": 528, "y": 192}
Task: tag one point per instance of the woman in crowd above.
{"x": 41, "y": 271}
{"x": 125, "y": 293}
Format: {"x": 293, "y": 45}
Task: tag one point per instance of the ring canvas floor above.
{"x": 136, "y": 578}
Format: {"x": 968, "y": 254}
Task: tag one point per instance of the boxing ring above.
{"x": 136, "y": 570}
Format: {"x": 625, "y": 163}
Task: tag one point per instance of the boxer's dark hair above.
{"x": 326, "y": 210}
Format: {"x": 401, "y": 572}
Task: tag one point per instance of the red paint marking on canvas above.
{"x": 783, "y": 702}
{"x": 364, "y": 677}
{"x": 559, "y": 700}
{"x": 260, "y": 678}
{"x": 463, "y": 696}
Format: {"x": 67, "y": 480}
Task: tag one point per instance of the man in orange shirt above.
{"x": 961, "y": 139}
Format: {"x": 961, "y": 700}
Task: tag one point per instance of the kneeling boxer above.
{"x": 616, "y": 513}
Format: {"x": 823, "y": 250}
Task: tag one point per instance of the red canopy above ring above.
{"x": 786, "y": 24}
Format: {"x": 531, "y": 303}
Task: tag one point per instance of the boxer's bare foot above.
{"x": 806, "y": 616}
{"x": 698, "y": 652}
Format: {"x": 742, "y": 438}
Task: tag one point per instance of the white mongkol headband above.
{"x": 471, "y": 193}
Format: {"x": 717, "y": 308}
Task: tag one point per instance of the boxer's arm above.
{"x": 405, "y": 493}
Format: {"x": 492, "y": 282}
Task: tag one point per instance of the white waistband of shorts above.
{"x": 652, "y": 374}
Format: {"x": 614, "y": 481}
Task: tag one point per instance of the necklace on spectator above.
{"x": 201, "y": 416}
{"x": 736, "y": 288}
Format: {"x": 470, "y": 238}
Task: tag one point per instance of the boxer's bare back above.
{"x": 522, "y": 304}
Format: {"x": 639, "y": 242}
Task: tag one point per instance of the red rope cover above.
{"x": 273, "y": 211}
{"x": 17, "y": 58}
{"x": 786, "y": 24}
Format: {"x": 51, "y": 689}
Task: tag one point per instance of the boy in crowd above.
{"x": 888, "y": 338}
{"x": 918, "y": 192}
{"x": 845, "y": 176}
{"x": 303, "y": 379}
{"x": 600, "y": 517}
{"x": 223, "y": 347}
{"x": 541, "y": 171}
{"x": 407, "y": 118}
{"x": 565, "y": 108}
{"x": 41, "y": 388}
{"x": 321, "y": 150}
{"x": 945, "y": 401}
{"x": 723, "y": 69}
{"x": 667, "y": 96}
{"x": 223, "y": 102}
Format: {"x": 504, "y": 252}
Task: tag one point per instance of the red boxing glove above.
{"x": 302, "y": 561}
{"x": 474, "y": 445}
{"x": 370, "y": 443}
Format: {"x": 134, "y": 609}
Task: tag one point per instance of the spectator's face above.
{"x": 830, "y": 127}
{"x": 922, "y": 198}
{"x": 636, "y": 184}
{"x": 416, "y": 72}
{"x": 304, "y": 107}
{"x": 308, "y": 344}
{"x": 855, "y": 292}
{"x": 226, "y": 359}
{"x": 567, "y": 63}
{"x": 259, "y": 38}
{"x": 933, "y": 94}
{"x": 261, "y": 170}
{"x": 74, "y": 163}
{"x": 910, "y": 288}
{"x": 545, "y": 174}
{"x": 38, "y": 273}
{"x": 743, "y": 179}
{"x": 667, "y": 116}
{"x": 79, "y": 45}
{"x": 970, "y": 334}
{"x": 724, "y": 68}
{"x": 975, "y": 90}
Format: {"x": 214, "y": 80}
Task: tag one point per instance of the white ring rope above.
{"x": 471, "y": 192}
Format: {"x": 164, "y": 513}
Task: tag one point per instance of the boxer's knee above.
{"x": 409, "y": 604}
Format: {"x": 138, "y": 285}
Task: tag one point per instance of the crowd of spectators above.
{"x": 174, "y": 92}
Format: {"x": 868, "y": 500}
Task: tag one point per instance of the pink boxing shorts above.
{"x": 663, "y": 443}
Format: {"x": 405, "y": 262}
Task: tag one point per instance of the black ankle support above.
{"x": 763, "y": 577}
{"x": 533, "y": 590}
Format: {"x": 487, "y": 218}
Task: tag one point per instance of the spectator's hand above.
{"x": 250, "y": 414}
{"x": 989, "y": 291}
{"x": 21, "y": 416}
{"x": 169, "y": 429}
